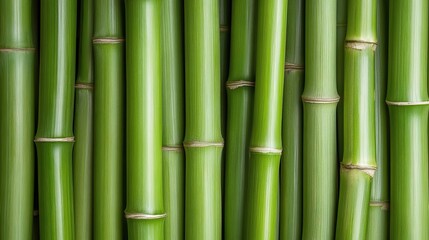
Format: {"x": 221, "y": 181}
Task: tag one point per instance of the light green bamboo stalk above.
{"x": 408, "y": 101}
{"x": 320, "y": 99}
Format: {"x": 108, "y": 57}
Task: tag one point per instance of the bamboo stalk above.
{"x": 262, "y": 179}
{"x": 203, "y": 139}
{"x": 145, "y": 208}
{"x": 173, "y": 122}
{"x": 54, "y": 138}
{"x": 109, "y": 111}
{"x": 320, "y": 99}
{"x": 407, "y": 98}
{"x": 239, "y": 113}
{"x": 378, "y": 216}
{"x": 83, "y": 127}
{"x": 291, "y": 162}
{"x": 18, "y": 61}
{"x": 359, "y": 163}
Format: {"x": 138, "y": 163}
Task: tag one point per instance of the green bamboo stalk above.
{"x": 18, "y": 68}
{"x": 359, "y": 163}
{"x": 378, "y": 216}
{"x": 320, "y": 99}
{"x": 173, "y": 122}
{"x": 54, "y": 137}
{"x": 83, "y": 128}
{"x": 239, "y": 112}
{"x": 407, "y": 98}
{"x": 262, "y": 168}
{"x": 291, "y": 162}
{"x": 145, "y": 208}
{"x": 224, "y": 28}
{"x": 203, "y": 139}
{"x": 109, "y": 111}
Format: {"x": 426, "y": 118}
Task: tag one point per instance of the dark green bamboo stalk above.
{"x": 407, "y": 98}
{"x": 173, "y": 118}
{"x": 291, "y": 162}
{"x": 54, "y": 137}
{"x": 145, "y": 208}
{"x": 378, "y": 216}
{"x": 358, "y": 165}
{"x": 203, "y": 139}
{"x": 82, "y": 151}
{"x": 224, "y": 28}
{"x": 262, "y": 168}
{"x": 239, "y": 112}
{"x": 320, "y": 99}
{"x": 18, "y": 64}
{"x": 109, "y": 111}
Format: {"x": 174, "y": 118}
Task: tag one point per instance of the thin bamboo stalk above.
{"x": 224, "y": 28}
{"x": 109, "y": 111}
{"x": 83, "y": 127}
{"x": 145, "y": 208}
{"x": 378, "y": 216}
{"x": 54, "y": 138}
{"x": 173, "y": 128}
{"x": 359, "y": 163}
{"x": 239, "y": 113}
{"x": 18, "y": 69}
{"x": 320, "y": 99}
{"x": 291, "y": 162}
{"x": 262, "y": 169}
{"x": 203, "y": 139}
{"x": 407, "y": 98}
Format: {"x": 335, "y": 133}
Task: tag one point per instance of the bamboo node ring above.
{"x": 224, "y": 28}
{"x": 84, "y": 86}
{"x": 144, "y": 216}
{"x": 361, "y": 45}
{"x": 293, "y": 67}
{"x": 197, "y": 144}
{"x": 173, "y": 148}
{"x": 320, "y": 100}
{"x": 237, "y": 84}
{"x": 17, "y": 49}
{"x": 392, "y": 103}
{"x": 35, "y": 213}
{"x": 267, "y": 150}
{"x": 58, "y": 139}
{"x": 384, "y": 205}
{"x": 107, "y": 40}
{"x": 370, "y": 170}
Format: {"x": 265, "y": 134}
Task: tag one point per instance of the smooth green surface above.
{"x": 144, "y": 117}
{"x": 341, "y": 36}
{"x": 225, "y": 35}
{"x": 320, "y": 168}
{"x": 407, "y": 82}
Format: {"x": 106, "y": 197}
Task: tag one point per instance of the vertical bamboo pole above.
{"x": 18, "y": 64}
{"x": 109, "y": 111}
{"x": 407, "y": 98}
{"x": 145, "y": 209}
{"x": 82, "y": 151}
{"x": 239, "y": 112}
{"x": 320, "y": 99}
{"x": 224, "y": 28}
{"x": 173, "y": 121}
{"x": 54, "y": 138}
{"x": 291, "y": 162}
{"x": 262, "y": 179}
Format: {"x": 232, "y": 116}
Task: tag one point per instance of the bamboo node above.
{"x": 293, "y": 67}
{"x": 266, "y": 150}
{"x": 370, "y": 170}
{"x": 84, "y": 86}
{"x": 317, "y": 100}
{"x": 144, "y": 216}
{"x": 107, "y": 40}
{"x": 237, "y": 84}
{"x": 384, "y": 205}
{"x": 224, "y": 28}
{"x": 59, "y": 139}
{"x": 35, "y": 213}
{"x": 17, "y": 49}
{"x": 361, "y": 45}
{"x": 197, "y": 144}
{"x": 393, "y": 103}
{"x": 173, "y": 148}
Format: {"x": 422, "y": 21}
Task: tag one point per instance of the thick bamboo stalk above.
{"x": 378, "y": 216}
{"x": 109, "y": 111}
{"x": 239, "y": 113}
{"x": 203, "y": 139}
{"x": 173, "y": 128}
{"x": 407, "y": 98}
{"x": 291, "y": 162}
{"x": 145, "y": 208}
{"x": 262, "y": 179}
{"x": 359, "y": 163}
{"x": 54, "y": 138}
{"x": 320, "y": 99}
{"x": 18, "y": 68}
{"x": 83, "y": 130}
